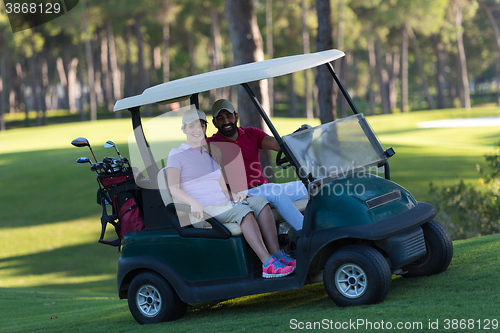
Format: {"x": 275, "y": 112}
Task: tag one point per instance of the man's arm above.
{"x": 270, "y": 142}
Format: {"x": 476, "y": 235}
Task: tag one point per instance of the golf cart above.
{"x": 359, "y": 228}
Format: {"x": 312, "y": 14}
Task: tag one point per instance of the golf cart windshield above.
{"x": 337, "y": 149}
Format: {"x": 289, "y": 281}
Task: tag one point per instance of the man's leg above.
{"x": 277, "y": 196}
{"x": 295, "y": 190}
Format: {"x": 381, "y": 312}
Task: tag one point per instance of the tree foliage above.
{"x": 138, "y": 36}
{"x": 467, "y": 210}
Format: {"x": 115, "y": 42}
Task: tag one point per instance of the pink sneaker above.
{"x": 275, "y": 269}
{"x": 286, "y": 259}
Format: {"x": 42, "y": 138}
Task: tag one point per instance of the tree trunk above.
{"x": 404, "y": 70}
{"x": 497, "y": 75}
{"x": 44, "y": 87}
{"x": 107, "y": 79}
{"x": 383, "y": 77}
{"x": 142, "y": 77}
{"x": 128, "y": 80}
{"x": 270, "y": 51}
{"x": 440, "y": 71}
{"x": 248, "y": 47}
{"x": 393, "y": 67}
{"x": 217, "y": 48}
{"x": 343, "y": 62}
{"x": 306, "y": 48}
{"x": 12, "y": 86}
{"x": 462, "y": 62}
{"x": 90, "y": 64}
{"x": 115, "y": 71}
{"x": 80, "y": 74}
{"x": 292, "y": 102}
{"x": 166, "y": 41}
{"x": 324, "y": 80}
{"x": 3, "y": 90}
{"x": 64, "y": 82}
{"x": 155, "y": 65}
{"x": 493, "y": 22}
{"x": 372, "y": 64}
{"x": 34, "y": 79}
{"x": 20, "y": 91}
{"x": 72, "y": 73}
{"x": 190, "y": 45}
{"x": 418, "y": 59}
{"x": 141, "y": 69}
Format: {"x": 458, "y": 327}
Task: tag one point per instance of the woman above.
{"x": 195, "y": 179}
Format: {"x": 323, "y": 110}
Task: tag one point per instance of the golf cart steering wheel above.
{"x": 280, "y": 159}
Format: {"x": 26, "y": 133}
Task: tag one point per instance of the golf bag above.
{"x": 120, "y": 191}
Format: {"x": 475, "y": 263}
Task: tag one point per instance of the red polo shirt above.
{"x": 250, "y": 143}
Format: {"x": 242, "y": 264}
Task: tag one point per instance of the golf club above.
{"x": 87, "y": 160}
{"x": 83, "y": 160}
{"x": 110, "y": 144}
{"x": 82, "y": 142}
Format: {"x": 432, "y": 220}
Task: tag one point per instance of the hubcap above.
{"x": 351, "y": 281}
{"x": 148, "y": 300}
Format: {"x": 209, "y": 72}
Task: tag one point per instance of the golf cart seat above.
{"x": 182, "y": 211}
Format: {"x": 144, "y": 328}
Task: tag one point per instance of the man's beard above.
{"x": 230, "y": 132}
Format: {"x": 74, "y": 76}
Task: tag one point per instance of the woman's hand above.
{"x": 197, "y": 210}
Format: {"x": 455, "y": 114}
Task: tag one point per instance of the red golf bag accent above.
{"x": 120, "y": 191}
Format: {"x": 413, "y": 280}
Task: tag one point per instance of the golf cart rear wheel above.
{"x": 439, "y": 248}
{"x": 357, "y": 275}
{"x": 152, "y": 300}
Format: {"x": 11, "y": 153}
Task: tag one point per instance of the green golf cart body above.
{"x": 359, "y": 228}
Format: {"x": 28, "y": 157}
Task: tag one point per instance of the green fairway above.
{"x": 466, "y": 294}
{"x": 52, "y": 266}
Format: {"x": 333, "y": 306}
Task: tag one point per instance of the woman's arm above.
{"x": 236, "y": 197}
{"x": 173, "y": 180}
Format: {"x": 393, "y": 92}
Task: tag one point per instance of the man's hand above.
{"x": 240, "y": 197}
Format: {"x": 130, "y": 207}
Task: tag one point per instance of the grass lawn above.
{"x": 52, "y": 266}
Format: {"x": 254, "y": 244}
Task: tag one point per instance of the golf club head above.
{"x": 100, "y": 166}
{"x": 83, "y": 160}
{"x": 80, "y": 142}
{"x": 109, "y": 144}
{"x": 108, "y": 159}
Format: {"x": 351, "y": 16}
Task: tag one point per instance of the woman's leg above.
{"x": 268, "y": 229}
{"x": 252, "y": 234}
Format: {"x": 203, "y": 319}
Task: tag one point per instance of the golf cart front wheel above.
{"x": 152, "y": 300}
{"x": 439, "y": 253}
{"x": 357, "y": 275}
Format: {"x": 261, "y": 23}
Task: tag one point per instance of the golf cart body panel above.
{"x": 351, "y": 207}
{"x": 351, "y": 212}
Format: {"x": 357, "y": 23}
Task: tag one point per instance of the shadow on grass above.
{"x": 88, "y": 267}
{"x": 48, "y": 186}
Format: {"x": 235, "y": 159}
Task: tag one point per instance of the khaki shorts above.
{"x": 226, "y": 213}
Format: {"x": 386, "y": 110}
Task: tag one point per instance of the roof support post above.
{"x": 143, "y": 145}
{"x": 293, "y": 162}
{"x": 342, "y": 88}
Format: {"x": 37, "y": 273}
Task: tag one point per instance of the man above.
{"x": 251, "y": 140}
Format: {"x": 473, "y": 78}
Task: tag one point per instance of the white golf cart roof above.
{"x": 183, "y": 88}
